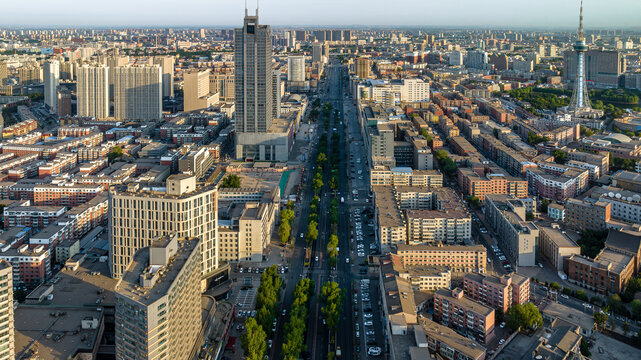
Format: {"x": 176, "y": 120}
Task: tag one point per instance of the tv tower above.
{"x": 580, "y": 101}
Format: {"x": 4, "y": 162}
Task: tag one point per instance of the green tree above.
{"x": 586, "y": 131}
{"x": 559, "y": 156}
{"x": 231, "y": 181}
{"x": 284, "y": 231}
{"x": 585, "y": 351}
{"x": 529, "y": 216}
{"x": 331, "y": 298}
{"x": 287, "y": 215}
{"x": 524, "y": 316}
{"x": 474, "y": 201}
{"x": 600, "y": 319}
{"x": 312, "y": 231}
{"x": 115, "y": 153}
{"x": 333, "y": 183}
{"x": 321, "y": 158}
{"x": 290, "y": 205}
{"x": 554, "y": 285}
{"x": 592, "y": 241}
{"x": 626, "y": 328}
{"x": 254, "y": 340}
{"x": 635, "y": 305}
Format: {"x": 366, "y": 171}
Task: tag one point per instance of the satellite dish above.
{"x": 629, "y": 199}
{"x": 636, "y": 198}
{"x": 611, "y": 194}
{"x": 618, "y": 196}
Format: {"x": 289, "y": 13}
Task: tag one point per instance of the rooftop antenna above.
{"x": 245, "y": 7}
{"x": 581, "y": 23}
{"x": 258, "y": 3}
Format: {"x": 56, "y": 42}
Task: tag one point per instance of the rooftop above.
{"x": 451, "y": 338}
{"x": 465, "y": 302}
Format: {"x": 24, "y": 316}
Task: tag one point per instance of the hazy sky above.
{"x": 476, "y": 13}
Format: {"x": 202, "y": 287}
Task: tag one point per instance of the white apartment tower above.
{"x": 296, "y": 69}
{"x": 138, "y": 93}
{"x": 7, "y": 345}
{"x": 167, "y": 65}
{"x": 52, "y": 79}
{"x": 93, "y": 91}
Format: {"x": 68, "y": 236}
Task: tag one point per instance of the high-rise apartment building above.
{"x": 197, "y": 93}
{"x": 112, "y": 63}
{"x": 476, "y": 59}
{"x": 276, "y": 93}
{"x": 167, "y": 65}
{"x": 157, "y": 310}
{"x": 296, "y": 69}
{"x": 138, "y": 93}
{"x": 253, "y": 73}
{"x": 93, "y": 91}
{"x": 7, "y": 346}
{"x": 4, "y": 71}
{"x": 139, "y": 215}
{"x": 52, "y": 79}
{"x": 362, "y": 68}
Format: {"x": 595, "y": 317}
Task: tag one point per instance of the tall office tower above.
{"x": 157, "y": 312}
{"x": 52, "y": 79}
{"x": 138, "y": 93}
{"x": 92, "y": 90}
{"x": 4, "y": 71}
{"x": 167, "y": 65}
{"x": 296, "y": 69}
{"x": 362, "y": 68}
{"x": 253, "y": 73}
{"x": 337, "y": 35}
{"x": 197, "y": 95}
{"x": 276, "y": 93}
{"x": 317, "y": 52}
{"x": 222, "y": 82}
{"x": 114, "y": 62}
{"x": 580, "y": 100}
{"x": 7, "y": 345}
{"x": 476, "y": 59}
{"x": 140, "y": 214}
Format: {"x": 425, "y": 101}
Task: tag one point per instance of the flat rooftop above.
{"x": 560, "y": 238}
{"x": 129, "y": 286}
{"x": 465, "y": 302}
{"x": 452, "y": 339}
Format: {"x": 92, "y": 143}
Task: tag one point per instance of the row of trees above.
{"x": 230, "y": 181}
{"x": 332, "y": 250}
{"x": 286, "y": 222}
{"x": 254, "y": 339}
{"x": 294, "y": 336}
{"x": 332, "y": 300}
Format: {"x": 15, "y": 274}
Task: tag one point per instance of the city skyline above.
{"x": 490, "y": 14}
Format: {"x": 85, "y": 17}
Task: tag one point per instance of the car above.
{"x": 357, "y": 326}
{"x": 239, "y": 304}
{"x": 502, "y": 341}
{"x": 565, "y": 296}
{"x": 317, "y": 259}
{"x": 358, "y": 348}
{"x": 269, "y": 343}
{"x": 302, "y": 235}
{"x": 374, "y": 351}
{"x": 368, "y": 323}
{"x": 370, "y": 332}
{"x": 541, "y": 265}
{"x": 284, "y": 312}
{"x": 357, "y": 333}
{"x": 502, "y": 325}
{"x": 346, "y": 260}
{"x": 367, "y": 315}
{"x": 240, "y": 270}
{"x": 489, "y": 260}
{"x": 253, "y": 313}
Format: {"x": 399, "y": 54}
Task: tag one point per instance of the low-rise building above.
{"x": 421, "y": 278}
{"x": 591, "y": 215}
{"x": 466, "y": 317}
{"x": 497, "y": 292}
{"x": 458, "y": 258}
{"x": 478, "y": 185}
{"x": 555, "y": 245}
{"x": 607, "y": 273}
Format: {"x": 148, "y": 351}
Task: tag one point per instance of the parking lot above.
{"x": 367, "y": 324}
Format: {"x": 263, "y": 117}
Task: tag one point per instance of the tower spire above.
{"x": 581, "y": 22}
{"x": 245, "y": 7}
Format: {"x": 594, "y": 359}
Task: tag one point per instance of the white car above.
{"x": 368, "y": 323}
{"x": 502, "y": 341}
{"x": 374, "y": 351}
{"x": 502, "y": 325}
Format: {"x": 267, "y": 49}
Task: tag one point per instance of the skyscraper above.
{"x": 52, "y": 79}
{"x": 138, "y": 93}
{"x": 7, "y": 345}
{"x": 93, "y": 91}
{"x": 317, "y": 52}
{"x": 362, "y": 68}
{"x": 112, "y": 63}
{"x": 4, "y": 71}
{"x": 276, "y": 93}
{"x": 158, "y": 309}
{"x": 167, "y": 65}
{"x": 256, "y": 138}
{"x": 253, "y": 73}
{"x": 140, "y": 215}
{"x": 197, "y": 93}
{"x": 296, "y": 69}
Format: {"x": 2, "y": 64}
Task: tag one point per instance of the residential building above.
{"x": 363, "y": 68}
{"x": 140, "y": 214}
{"x": 627, "y": 180}
{"x": 603, "y": 67}
{"x": 497, "y": 292}
{"x": 158, "y": 309}
{"x": 247, "y": 232}
{"x": 607, "y": 273}
{"x": 21, "y": 213}
{"x": 458, "y": 258}
{"x": 449, "y": 344}
{"x": 31, "y": 266}
{"x": 582, "y": 214}
{"x": 556, "y": 245}
{"x": 466, "y": 317}
{"x": 92, "y": 90}
{"x": 625, "y": 204}
{"x": 222, "y": 83}
{"x": 167, "y": 66}
{"x": 490, "y": 181}
{"x": 420, "y": 278}
{"x": 138, "y": 93}
{"x": 517, "y": 237}
{"x": 295, "y": 69}
{"x": 7, "y": 344}
{"x": 556, "y": 212}
{"x": 197, "y": 90}
{"x": 435, "y": 227}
